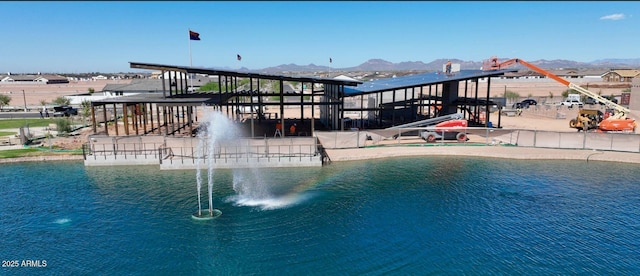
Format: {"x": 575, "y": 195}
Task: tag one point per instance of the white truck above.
{"x": 572, "y": 100}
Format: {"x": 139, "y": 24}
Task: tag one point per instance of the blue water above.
{"x": 427, "y": 215}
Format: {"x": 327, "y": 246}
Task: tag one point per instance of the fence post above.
{"x": 487, "y": 135}
{"x": 611, "y": 146}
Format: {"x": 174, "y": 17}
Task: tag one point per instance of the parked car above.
{"x": 518, "y": 105}
{"x": 524, "y": 103}
{"x": 590, "y": 100}
{"x": 611, "y": 98}
{"x": 528, "y": 102}
{"x": 64, "y": 111}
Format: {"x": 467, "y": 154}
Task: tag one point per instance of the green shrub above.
{"x": 63, "y": 125}
{"x": 511, "y": 95}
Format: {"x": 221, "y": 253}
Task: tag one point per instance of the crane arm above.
{"x": 622, "y": 111}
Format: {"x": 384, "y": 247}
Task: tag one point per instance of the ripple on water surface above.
{"x": 440, "y": 215}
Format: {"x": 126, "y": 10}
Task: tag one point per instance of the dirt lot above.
{"x": 35, "y": 93}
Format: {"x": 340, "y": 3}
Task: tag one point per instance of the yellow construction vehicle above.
{"x": 587, "y": 119}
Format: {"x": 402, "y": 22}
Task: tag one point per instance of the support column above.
{"x": 136, "y": 117}
{"x": 144, "y": 122}
{"x": 93, "y": 118}
{"x": 189, "y": 120}
{"x": 486, "y": 109}
{"x": 125, "y": 118}
{"x": 284, "y": 127}
{"x": 449, "y": 96}
{"x": 115, "y": 118}
{"x": 166, "y": 121}
{"x": 104, "y": 115}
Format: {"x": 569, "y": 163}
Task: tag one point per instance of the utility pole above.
{"x": 25, "y": 100}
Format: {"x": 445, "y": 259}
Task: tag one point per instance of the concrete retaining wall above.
{"x": 264, "y": 162}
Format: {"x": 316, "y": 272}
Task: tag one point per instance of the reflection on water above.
{"x": 420, "y": 215}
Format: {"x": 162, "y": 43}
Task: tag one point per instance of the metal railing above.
{"x": 187, "y": 152}
{"x": 606, "y": 141}
{"x": 226, "y": 153}
{"x": 122, "y": 150}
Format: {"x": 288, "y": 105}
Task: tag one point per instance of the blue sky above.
{"x": 76, "y": 37}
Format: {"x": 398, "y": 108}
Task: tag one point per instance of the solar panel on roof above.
{"x": 417, "y": 80}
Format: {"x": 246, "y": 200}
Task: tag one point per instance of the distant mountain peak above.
{"x": 377, "y": 64}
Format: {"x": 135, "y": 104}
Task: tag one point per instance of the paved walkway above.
{"x": 509, "y": 152}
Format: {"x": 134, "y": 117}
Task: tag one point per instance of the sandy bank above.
{"x": 41, "y": 158}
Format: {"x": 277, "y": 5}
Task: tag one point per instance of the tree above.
{"x": 567, "y": 92}
{"x": 62, "y": 101}
{"x": 550, "y": 95}
{"x": 43, "y": 102}
{"x": 210, "y": 86}
{"x": 4, "y": 100}
{"x": 91, "y": 90}
{"x": 85, "y": 109}
{"x": 511, "y": 96}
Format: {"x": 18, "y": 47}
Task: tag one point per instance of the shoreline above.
{"x": 41, "y": 158}
{"x": 406, "y": 150}
{"x": 504, "y": 152}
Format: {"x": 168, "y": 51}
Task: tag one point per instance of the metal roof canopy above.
{"x": 200, "y": 70}
{"x": 418, "y": 80}
{"x": 160, "y": 100}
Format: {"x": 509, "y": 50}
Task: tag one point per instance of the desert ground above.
{"x": 35, "y": 94}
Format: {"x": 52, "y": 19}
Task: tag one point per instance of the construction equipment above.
{"x": 446, "y": 127}
{"x": 614, "y": 122}
{"x": 447, "y": 130}
{"x": 587, "y": 119}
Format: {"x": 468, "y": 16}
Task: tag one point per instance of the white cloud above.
{"x": 615, "y": 16}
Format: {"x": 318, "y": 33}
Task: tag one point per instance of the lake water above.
{"x": 420, "y": 215}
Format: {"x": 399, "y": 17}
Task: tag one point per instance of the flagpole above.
{"x": 190, "y": 63}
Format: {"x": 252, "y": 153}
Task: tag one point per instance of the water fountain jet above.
{"x": 216, "y": 128}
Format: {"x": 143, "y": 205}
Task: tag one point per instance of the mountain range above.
{"x": 383, "y": 65}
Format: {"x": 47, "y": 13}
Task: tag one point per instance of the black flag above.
{"x": 330, "y": 60}
{"x": 239, "y": 57}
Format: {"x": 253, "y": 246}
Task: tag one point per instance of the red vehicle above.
{"x": 447, "y": 130}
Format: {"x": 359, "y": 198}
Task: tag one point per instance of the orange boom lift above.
{"x": 617, "y": 122}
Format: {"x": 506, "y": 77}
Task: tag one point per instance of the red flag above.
{"x": 193, "y": 35}
{"x": 239, "y": 57}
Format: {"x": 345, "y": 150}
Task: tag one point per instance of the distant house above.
{"x": 343, "y": 77}
{"x": 26, "y": 79}
{"x": 19, "y": 78}
{"x": 522, "y": 75}
{"x": 137, "y": 86}
{"x": 594, "y": 74}
{"x": 99, "y": 77}
{"x": 568, "y": 73}
{"x": 621, "y": 75}
{"x": 52, "y": 79}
